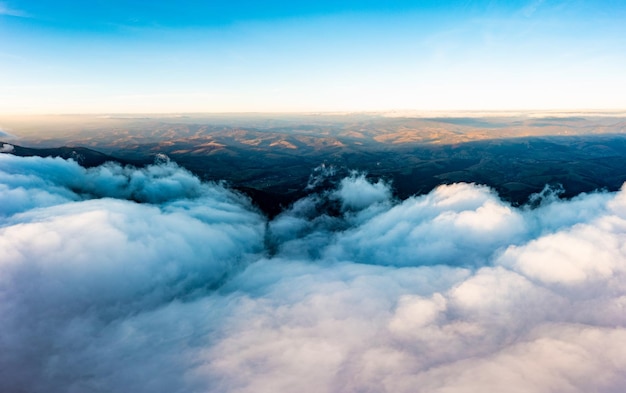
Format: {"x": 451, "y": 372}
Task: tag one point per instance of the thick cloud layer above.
{"x": 147, "y": 280}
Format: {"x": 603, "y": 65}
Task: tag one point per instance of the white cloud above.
{"x": 454, "y": 291}
{"x": 356, "y": 193}
{"x": 459, "y": 224}
{"x": 6, "y": 148}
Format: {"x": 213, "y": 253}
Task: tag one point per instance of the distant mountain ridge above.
{"x": 270, "y": 203}
{"x": 273, "y": 174}
{"x": 84, "y": 156}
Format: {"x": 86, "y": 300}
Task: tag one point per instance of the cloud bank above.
{"x": 148, "y": 280}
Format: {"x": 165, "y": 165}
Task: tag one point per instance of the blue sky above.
{"x": 217, "y": 56}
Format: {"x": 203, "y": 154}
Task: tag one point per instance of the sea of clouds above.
{"x": 117, "y": 279}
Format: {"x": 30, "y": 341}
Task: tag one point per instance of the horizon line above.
{"x": 399, "y": 112}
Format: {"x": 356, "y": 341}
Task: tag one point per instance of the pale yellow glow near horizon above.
{"x": 456, "y": 93}
{"x": 381, "y": 101}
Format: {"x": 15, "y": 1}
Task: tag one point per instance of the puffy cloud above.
{"x": 75, "y": 265}
{"x": 458, "y": 224}
{"x": 357, "y": 193}
{"x": 148, "y": 280}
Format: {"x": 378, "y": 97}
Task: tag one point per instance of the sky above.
{"x": 276, "y": 56}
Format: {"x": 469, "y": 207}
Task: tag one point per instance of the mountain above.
{"x": 273, "y": 158}
{"x": 82, "y": 155}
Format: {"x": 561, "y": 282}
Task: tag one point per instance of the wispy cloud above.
{"x": 7, "y": 10}
{"x": 49, "y": 86}
{"x": 5, "y": 134}
{"x": 531, "y": 7}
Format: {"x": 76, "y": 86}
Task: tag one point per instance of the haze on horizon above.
{"x": 191, "y": 56}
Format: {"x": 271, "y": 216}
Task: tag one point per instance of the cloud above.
{"x": 531, "y": 8}
{"x": 459, "y": 224}
{"x": 5, "y": 134}
{"x": 149, "y": 280}
{"x": 6, "y": 148}
{"x": 5, "y": 9}
{"x": 357, "y": 193}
